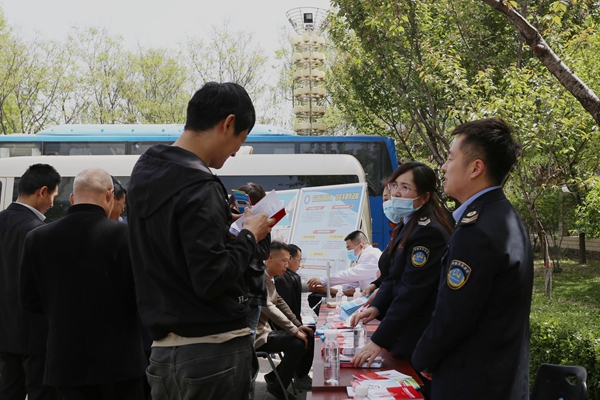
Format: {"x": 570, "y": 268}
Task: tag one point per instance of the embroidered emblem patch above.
{"x": 424, "y": 221}
{"x": 420, "y": 255}
{"x": 470, "y": 217}
{"x": 458, "y": 274}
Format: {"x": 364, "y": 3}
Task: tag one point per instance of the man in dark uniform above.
{"x": 23, "y": 335}
{"x": 77, "y": 272}
{"x": 477, "y": 344}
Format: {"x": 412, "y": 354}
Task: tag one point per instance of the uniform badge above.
{"x": 470, "y": 217}
{"x": 458, "y": 274}
{"x": 420, "y": 255}
{"x": 424, "y": 221}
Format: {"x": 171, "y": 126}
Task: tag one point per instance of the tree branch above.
{"x": 553, "y": 63}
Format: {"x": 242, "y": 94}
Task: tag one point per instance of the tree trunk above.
{"x": 582, "y": 256}
{"x": 547, "y": 265}
{"x": 544, "y": 53}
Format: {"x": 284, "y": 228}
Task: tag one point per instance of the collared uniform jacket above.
{"x": 477, "y": 345}
{"x": 408, "y": 295}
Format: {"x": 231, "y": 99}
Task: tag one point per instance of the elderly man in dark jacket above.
{"x": 77, "y": 272}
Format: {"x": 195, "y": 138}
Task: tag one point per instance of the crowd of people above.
{"x": 168, "y": 303}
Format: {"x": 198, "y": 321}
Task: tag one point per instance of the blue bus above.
{"x": 376, "y": 154}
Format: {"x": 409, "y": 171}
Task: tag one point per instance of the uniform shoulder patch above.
{"x": 424, "y": 221}
{"x": 419, "y": 256}
{"x": 470, "y": 217}
{"x": 458, "y": 274}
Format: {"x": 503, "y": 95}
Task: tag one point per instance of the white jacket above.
{"x": 363, "y": 273}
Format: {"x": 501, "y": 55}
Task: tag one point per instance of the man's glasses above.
{"x": 403, "y": 188}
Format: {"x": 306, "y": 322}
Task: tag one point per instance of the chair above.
{"x": 554, "y": 382}
{"x": 264, "y": 354}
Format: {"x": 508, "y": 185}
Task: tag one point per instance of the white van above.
{"x": 271, "y": 171}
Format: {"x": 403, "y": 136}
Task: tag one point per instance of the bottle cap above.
{"x": 330, "y": 334}
{"x": 362, "y": 390}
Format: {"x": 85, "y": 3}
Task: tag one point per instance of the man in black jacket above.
{"x": 77, "y": 272}
{"x": 188, "y": 270}
{"x": 289, "y": 285}
{"x": 477, "y": 344}
{"x": 23, "y": 335}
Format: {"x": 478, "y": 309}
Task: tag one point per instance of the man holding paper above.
{"x": 188, "y": 270}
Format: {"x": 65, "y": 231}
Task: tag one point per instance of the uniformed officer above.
{"x": 407, "y": 296}
{"x": 477, "y": 344}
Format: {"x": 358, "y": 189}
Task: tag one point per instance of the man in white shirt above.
{"x": 364, "y": 271}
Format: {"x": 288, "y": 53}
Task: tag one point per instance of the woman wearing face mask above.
{"x": 407, "y": 296}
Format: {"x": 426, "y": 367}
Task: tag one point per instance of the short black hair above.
{"x": 120, "y": 191}
{"x": 36, "y": 177}
{"x": 277, "y": 246}
{"x": 214, "y": 102}
{"x": 490, "y": 139}
{"x": 294, "y": 250}
{"x": 254, "y": 191}
{"x": 357, "y": 236}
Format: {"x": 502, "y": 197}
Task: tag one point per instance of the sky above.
{"x": 154, "y": 23}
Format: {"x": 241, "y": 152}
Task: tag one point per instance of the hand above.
{"x": 314, "y": 282}
{"x": 370, "y": 299}
{"x": 259, "y": 224}
{"x": 368, "y": 353}
{"x": 307, "y": 331}
{"x": 369, "y": 289}
{"x": 367, "y": 315}
{"x": 302, "y": 336}
{"x": 428, "y": 375}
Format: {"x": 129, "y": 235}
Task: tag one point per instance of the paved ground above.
{"x": 260, "y": 387}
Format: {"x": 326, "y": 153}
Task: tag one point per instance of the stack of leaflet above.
{"x": 350, "y": 307}
{"x": 387, "y": 385}
{"x": 345, "y": 339}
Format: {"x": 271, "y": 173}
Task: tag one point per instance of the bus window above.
{"x": 19, "y": 149}
{"x": 279, "y": 182}
{"x": 272, "y": 147}
{"x": 84, "y": 148}
{"x": 142, "y": 147}
{"x": 369, "y": 154}
{"x": 61, "y": 202}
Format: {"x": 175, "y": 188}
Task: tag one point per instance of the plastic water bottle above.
{"x": 360, "y": 337}
{"x": 357, "y": 293}
{"x": 330, "y": 322}
{"x": 331, "y": 367}
{"x": 362, "y": 392}
{"x": 338, "y": 302}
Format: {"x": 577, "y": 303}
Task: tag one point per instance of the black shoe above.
{"x": 276, "y": 391}
{"x": 305, "y": 383}
{"x": 270, "y": 377}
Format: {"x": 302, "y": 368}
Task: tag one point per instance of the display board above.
{"x": 323, "y": 217}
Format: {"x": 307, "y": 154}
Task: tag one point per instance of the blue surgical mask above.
{"x": 397, "y": 208}
{"x": 352, "y": 256}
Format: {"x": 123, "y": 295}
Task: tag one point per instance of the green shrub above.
{"x": 568, "y": 335}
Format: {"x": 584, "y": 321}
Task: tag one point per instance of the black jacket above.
{"x": 77, "y": 272}
{"x": 407, "y": 296}
{"x": 188, "y": 270}
{"x": 20, "y": 332}
{"x": 477, "y": 345}
{"x": 289, "y": 287}
{"x": 254, "y": 276}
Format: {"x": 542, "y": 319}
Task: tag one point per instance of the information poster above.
{"x": 282, "y": 230}
{"x": 322, "y": 219}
